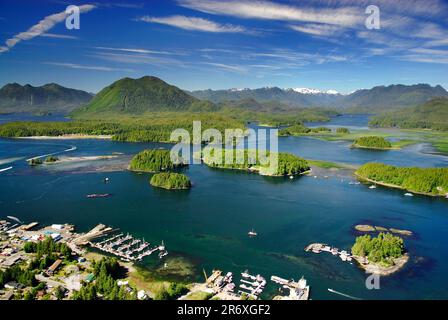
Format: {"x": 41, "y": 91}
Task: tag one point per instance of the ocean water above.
{"x": 208, "y": 224}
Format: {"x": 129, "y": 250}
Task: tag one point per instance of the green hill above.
{"x": 48, "y": 98}
{"x": 431, "y": 115}
{"x": 138, "y": 96}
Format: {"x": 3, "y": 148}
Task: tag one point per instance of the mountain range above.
{"x": 149, "y": 94}
{"x": 371, "y": 100}
{"x": 47, "y": 98}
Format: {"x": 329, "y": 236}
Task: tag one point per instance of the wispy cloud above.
{"x": 57, "y": 36}
{"x": 136, "y": 50}
{"x": 138, "y": 58}
{"x": 347, "y": 16}
{"x": 233, "y": 68}
{"x": 86, "y": 67}
{"x": 317, "y": 29}
{"x": 42, "y": 27}
{"x": 195, "y": 24}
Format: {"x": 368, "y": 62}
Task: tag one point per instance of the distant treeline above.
{"x": 432, "y": 181}
{"x": 431, "y": 115}
{"x": 157, "y": 128}
{"x": 300, "y": 129}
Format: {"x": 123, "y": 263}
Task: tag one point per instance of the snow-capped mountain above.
{"x": 314, "y": 91}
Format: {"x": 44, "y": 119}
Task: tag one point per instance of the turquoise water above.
{"x": 209, "y": 223}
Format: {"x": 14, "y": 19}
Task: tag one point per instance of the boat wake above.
{"x": 72, "y": 148}
{"x": 5, "y": 169}
{"x": 343, "y": 294}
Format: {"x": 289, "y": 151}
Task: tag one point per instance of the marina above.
{"x": 251, "y": 286}
{"x": 321, "y": 247}
{"x": 127, "y": 248}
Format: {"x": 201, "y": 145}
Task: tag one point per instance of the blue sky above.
{"x": 201, "y": 44}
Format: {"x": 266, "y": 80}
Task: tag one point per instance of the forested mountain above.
{"x": 48, "y": 98}
{"x": 137, "y": 96}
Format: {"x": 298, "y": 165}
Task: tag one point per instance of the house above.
{"x": 54, "y": 267}
{"x": 12, "y": 285}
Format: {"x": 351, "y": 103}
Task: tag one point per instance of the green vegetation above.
{"x": 154, "y": 161}
{"x": 342, "y": 131}
{"x": 381, "y": 250}
{"x": 150, "y": 127}
{"x": 328, "y": 164}
{"x": 431, "y": 115}
{"x": 48, "y": 247}
{"x": 51, "y": 159}
{"x": 170, "y": 181}
{"x": 252, "y": 160}
{"x": 137, "y": 96}
{"x": 105, "y": 286}
{"x": 300, "y": 129}
{"x": 172, "y": 292}
{"x": 24, "y": 276}
{"x": 430, "y": 181}
{"x": 35, "y": 162}
{"x": 372, "y": 142}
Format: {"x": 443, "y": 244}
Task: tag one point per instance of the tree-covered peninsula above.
{"x": 428, "y": 181}
{"x": 300, "y": 129}
{"x": 383, "y": 254}
{"x": 170, "y": 181}
{"x": 154, "y": 161}
{"x": 372, "y": 142}
{"x": 254, "y": 161}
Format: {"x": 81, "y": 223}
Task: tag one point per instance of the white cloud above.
{"x": 43, "y": 26}
{"x": 317, "y": 29}
{"x": 347, "y": 16}
{"x": 57, "y": 36}
{"x": 78, "y": 66}
{"x": 135, "y": 50}
{"x": 233, "y": 68}
{"x": 191, "y": 23}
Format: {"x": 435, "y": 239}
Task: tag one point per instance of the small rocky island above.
{"x": 383, "y": 255}
{"x": 170, "y": 181}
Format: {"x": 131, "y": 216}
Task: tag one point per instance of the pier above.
{"x": 299, "y": 290}
{"x": 252, "y": 287}
{"x": 321, "y": 247}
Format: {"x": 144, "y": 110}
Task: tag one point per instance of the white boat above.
{"x": 252, "y": 233}
{"x": 291, "y": 177}
{"x": 408, "y": 194}
{"x": 372, "y": 186}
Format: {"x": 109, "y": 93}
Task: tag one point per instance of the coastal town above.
{"x": 56, "y": 263}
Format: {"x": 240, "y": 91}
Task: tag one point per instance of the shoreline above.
{"x": 399, "y": 263}
{"x": 389, "y": 185}
{"x": 357, "y": 146}
{"x": 68, "y": 137}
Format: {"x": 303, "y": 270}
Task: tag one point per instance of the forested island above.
{"x": 154, "y": 161}
{"x": 427, "y": 181}
{"x": 170, "y": 181}
{"x": 384, "y": 254}
{"x": 372, "y": 142}
{"x": 288, "y": 164}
